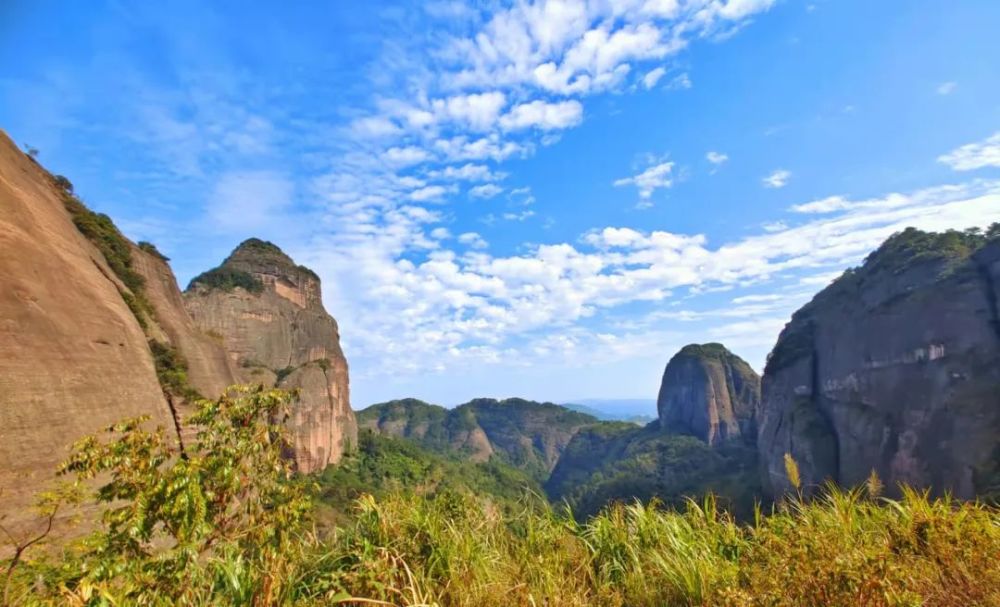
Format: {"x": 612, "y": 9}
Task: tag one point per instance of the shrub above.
{"x": 228, "y": 279}
{"x": 151, "y": 249}
{"x": 102, "y": 232}
{"x": 171, "y": 370}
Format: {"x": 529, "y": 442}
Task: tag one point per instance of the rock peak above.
{"x": 708, "y": 392}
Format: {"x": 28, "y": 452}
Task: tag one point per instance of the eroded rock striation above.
{"x": 268, "y": 313}
{"x": 710, "y": 393}
{"x": 894, "y": 367}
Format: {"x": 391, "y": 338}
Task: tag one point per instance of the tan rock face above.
{"x": 209, "y": 368}
{"x": 709, "y": 392}
{"x": 270, "y": 316}
{"x": 73, "y": 358}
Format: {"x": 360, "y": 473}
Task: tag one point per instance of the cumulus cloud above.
{"x": 653, "y": 178}
{"x": 487, "y": 190}
{"x": 400, "y": 157}
{"x": 716, "y": 158}
{"x": 473, "y": 240}
{"x": 653, "y": 76}
{"x": 543, "y": 115}
{"x": 985, "y": 153}
{"x": 777, "y": 179}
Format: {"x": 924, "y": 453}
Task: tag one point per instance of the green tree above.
{"x": 177, "y": 526}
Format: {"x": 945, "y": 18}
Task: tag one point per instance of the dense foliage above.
{"x": 382, "y": 466}
{"x": 102, "y": 232}
{"x": 521, "y": 433}
{"x": 216, "y": 523}
{"x": 228, "y": 279}
{"x": 616, "y": 462}
{"x": 172, "y": 370}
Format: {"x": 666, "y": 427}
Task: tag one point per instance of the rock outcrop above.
{"x": 710, "y": 393}
{"x": 895, "y": 367}
{"x": 268, "y": 313}
{"x": 74, "y": 357}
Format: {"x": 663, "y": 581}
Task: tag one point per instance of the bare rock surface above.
{"x": 895, "y": 367}
{"x": 269, "y": 315}
{"x": 73, "y": 357}
{"x": 710, "y": 393}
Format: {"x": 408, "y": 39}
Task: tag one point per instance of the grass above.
{"x": 226, "y": 526}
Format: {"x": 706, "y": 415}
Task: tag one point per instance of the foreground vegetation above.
{"x": 227, "y": 525}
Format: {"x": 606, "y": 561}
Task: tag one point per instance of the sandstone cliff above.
{"x": 895, "y": 367}
{"x": 268, "y": 313}
{"x": 73, "y": 355}
{"x": 710, "y": 393}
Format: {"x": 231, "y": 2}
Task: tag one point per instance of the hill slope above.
{"x": 526, "y": 434}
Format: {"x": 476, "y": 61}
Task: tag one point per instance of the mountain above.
{"x": 894, "y": 367}
{"x": 268, "y": 313}
{"x": 707, "y": 400}
{"x": 73, "y": 350}
{"x": 618, "y": 462}
{"x": 94, "y": 330}
{"x": 710, "y": 393}
{"x": 526, "y": 434}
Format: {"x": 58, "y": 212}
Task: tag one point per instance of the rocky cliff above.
{"x": 268, "y": 313}
{"x": 526, "y": 434}
{"x": 895, "y": 367}
{"x": 74, "y": 357}
{"x": 710, "y": 393}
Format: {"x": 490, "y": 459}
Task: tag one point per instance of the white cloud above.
{"x": 466, "y": 172}
{"x": 543, "y": 115}
{"x": 716, "y": 158}
{"x": 375, "y": 127}
{"x": 653, "y": 76}
{"x": 680, "y": 82}
{"x": 519, "y": 216}
{"x": 653, "y": 178}
{"x": 473, "y": 240}
{"x": 431, "y": 192}
{"x": 777, "y": 179}
{"x": 478, "y": 111}
{"x": 401, "y": 157}
{"x": 440, "y": 233}
{"x": 946, "y": 88}
{"x": 973, "y": 156}
{"x": 487, "y": 190}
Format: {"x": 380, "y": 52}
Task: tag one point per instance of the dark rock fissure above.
{"x": 991, "y": 297}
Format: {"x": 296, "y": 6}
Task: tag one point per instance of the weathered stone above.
{"x": 73, "y": 357}
{"x": 895, "y": 367}
{"x": 710, "y": 393}
{"x": 270, "y": 316}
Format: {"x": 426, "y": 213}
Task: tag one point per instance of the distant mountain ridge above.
{"x": 527, "y": 434}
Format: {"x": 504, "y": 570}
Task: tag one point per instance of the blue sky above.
{"x": 536, "y": 199}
